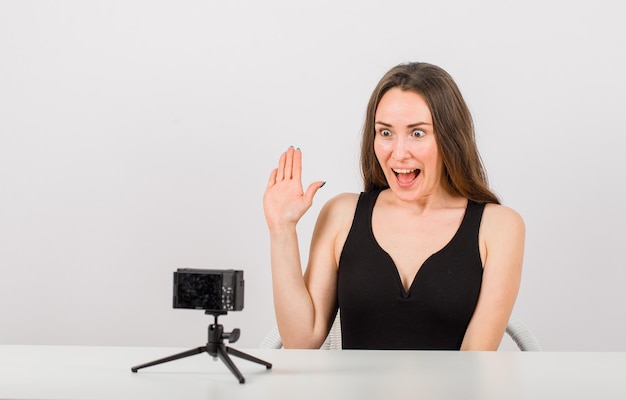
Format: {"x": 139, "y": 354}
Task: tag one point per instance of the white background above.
{"x": 136, "y": 137}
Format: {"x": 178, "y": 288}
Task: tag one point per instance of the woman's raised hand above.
{"x": 284, "y": 201}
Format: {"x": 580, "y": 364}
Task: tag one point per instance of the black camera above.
{"x": 212, "y": 290}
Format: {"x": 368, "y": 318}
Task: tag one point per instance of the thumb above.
{"x": 312, "y": 189}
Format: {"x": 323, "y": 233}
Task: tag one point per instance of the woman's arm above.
{"x": 304, "y": 305}
{"x": 501, "y": 236}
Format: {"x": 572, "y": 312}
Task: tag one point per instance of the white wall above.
{"x": 136, "y": 137}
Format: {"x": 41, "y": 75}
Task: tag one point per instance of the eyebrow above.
{"x": 414, "y": 125}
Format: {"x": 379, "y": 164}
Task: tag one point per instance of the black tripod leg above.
{"x": 184, "y": 354}
{"x": 248, "y": 357}
{"x": 223, "y": 355}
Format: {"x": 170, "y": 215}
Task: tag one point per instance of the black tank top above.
{"x": 377, "y": 312}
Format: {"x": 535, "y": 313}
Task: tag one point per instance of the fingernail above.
{"x": 297, "y": 148}
{"x": 322, "y": 185}
{"x": 291, "y": 147}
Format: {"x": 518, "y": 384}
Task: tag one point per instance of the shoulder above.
{"x": 502, "y": 223}
{"x": 334, "y": 222}
{"x": 497, "y": 215}
{"x": 343, "y": 201}
{"x": 338, "y": 212}
{"x": 340, "y": 207}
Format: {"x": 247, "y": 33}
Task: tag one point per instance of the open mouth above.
{"x": 406, "y": 176}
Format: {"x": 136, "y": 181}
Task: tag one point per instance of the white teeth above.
{"x": 403, "y": 171}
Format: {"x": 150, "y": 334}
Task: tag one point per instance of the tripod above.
{"x": 216, "y": 348}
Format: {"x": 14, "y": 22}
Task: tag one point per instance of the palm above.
{"x": 284, "y": 201}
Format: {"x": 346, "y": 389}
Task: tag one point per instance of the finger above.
{"x": 272, "y": 181}
{"x": 280, "y": 173}
{"x": 289, "y": 163}
{"x": 312, "y": 189}
{"x": 297, "y": 165}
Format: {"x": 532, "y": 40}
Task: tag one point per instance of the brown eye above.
{"x": 418, "y": 133}
{"x": 385, "y": 132}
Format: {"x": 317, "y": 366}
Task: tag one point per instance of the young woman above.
{"x": 425, "y": 257}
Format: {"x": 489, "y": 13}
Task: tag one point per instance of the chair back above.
{"x": 522, "y": 335}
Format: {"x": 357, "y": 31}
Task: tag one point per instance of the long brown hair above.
{"x": 463, "y": 170}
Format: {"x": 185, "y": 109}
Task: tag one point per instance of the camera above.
{"x": 212, "y": 290}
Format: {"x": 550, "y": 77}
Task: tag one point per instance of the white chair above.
{"x": 522, "y": 335}
{"x": 516, "y": 329}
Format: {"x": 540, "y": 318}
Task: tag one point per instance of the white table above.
{"x": 74, "y": 372}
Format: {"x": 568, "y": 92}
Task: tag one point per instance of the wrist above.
{"x": 282, "y": 229}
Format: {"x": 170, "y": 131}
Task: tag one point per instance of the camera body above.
{"x": 213, "y": 290}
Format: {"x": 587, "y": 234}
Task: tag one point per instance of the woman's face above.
{"x": 405, "y": 145}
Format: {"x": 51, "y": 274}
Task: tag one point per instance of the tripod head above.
{"x": 216, "y": 330}
{"x": 215, "y": 314}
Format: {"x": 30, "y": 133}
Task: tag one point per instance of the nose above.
{"x": 400, "y": 148}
